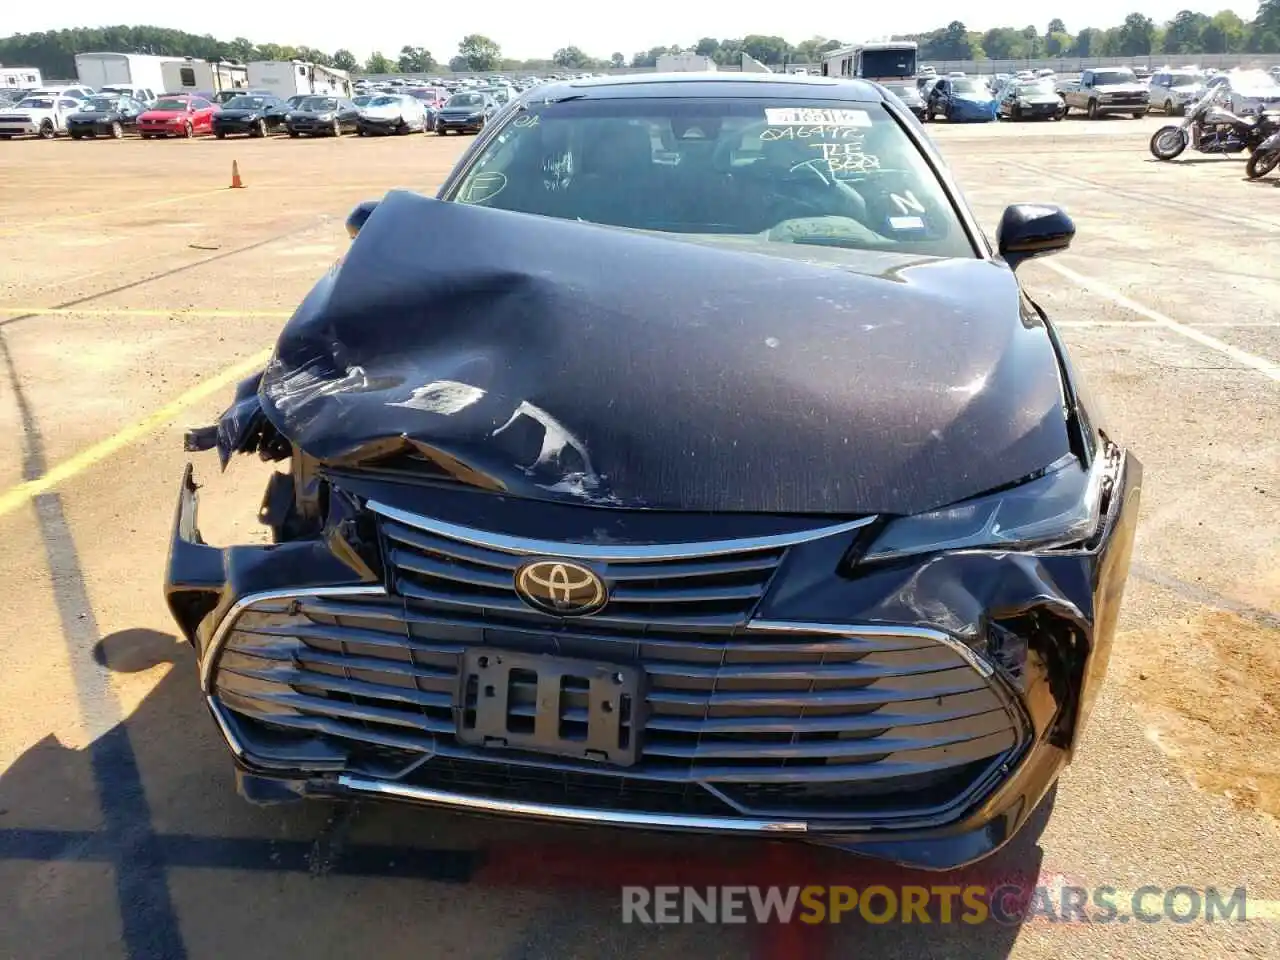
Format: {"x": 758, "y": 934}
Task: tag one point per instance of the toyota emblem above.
{"x": 561, "y": 587}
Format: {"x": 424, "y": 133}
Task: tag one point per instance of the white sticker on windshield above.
{"x": 906, "y": 223}
{"x": 806, "y": 116}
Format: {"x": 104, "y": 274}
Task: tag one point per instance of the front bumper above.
{"x": 381, "y": 124}
{"x": 1038, "y": 110}
{"x": 904, "y": 742}
{"x": 312, "y": 127}
{"x": 1122, "y": 106}
{"x": 163, "y": 129}
{"x": 466, "y": 124}
{"x": 92, "y": 128}
{"x": 236, "y": 126}
{"x": 18, "y": 128}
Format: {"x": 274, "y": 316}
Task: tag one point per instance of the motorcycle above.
{"x": 1209, "y": 127}
{"x": 1264, "y": 158}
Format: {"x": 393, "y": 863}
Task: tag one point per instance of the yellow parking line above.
{"x": 141, "y": 312}
{"x": 74, "y": 217}
{"x": 15, "y": 497}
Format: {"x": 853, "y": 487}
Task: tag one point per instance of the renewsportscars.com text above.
{"x": 973, "y": 904}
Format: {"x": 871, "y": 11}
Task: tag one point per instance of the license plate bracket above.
{"x": 572, "y": 708}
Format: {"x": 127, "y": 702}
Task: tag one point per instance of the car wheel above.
{"x": 293, "y": 133}
{"x": 117, "y": 130}
{"x": 260, "y": 128}
{"x": 1092, "y": 112}
{"x": 1139, "y": 114}
{"x": 402, "y": 129}
{"x": 46, "y": 131}
{"x": 1169, "y": 107}
{"x": 361, "y": 132}
{"x": 220, "y": 134}
{"x": 188, "y": 131}
{"x": 1017, "y": 113}
{"x": 76, "y": 136}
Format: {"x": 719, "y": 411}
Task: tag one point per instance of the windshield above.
{"x": 169, "y": 104}
{"x": 466, "y": 100}
{"x": 904, "y": 91}
{"x": 1185, "y": 80}
{"x": 101, "y": 105}
{"x": 1104, "y": 77}
{"x": 738, "y": 171}
{"x": 1038, "y": 88}
{"x": 967, "y": 86}
{"x": 363, "y": 100}
{"x": 246, "y": 103}
{"x": 384, "y": 101}
{"x": 318, "y": 103}
{"x": 33, "y": 103}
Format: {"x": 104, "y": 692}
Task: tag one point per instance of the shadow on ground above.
{"x": 139, "y": 846}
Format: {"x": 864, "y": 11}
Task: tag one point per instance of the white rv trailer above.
{"x": 287, "y": 78}
{"x": 132, "y": 73}
{"x": 20, "y": 78}
{"x": 189, "y": 75}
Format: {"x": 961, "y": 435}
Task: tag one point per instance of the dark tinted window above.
{"x": 744, "y": 171}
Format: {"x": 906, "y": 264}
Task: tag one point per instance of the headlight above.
{"x": 325, "y": 116}
{"x": 288, "y": 116}
{"x": 1059, "y": 508}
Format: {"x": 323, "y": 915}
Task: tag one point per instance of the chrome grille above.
{"x": 888, "y": 720}
{"x": 709, "y": 586}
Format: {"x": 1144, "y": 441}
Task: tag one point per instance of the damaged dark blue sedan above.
{"x": 691, "y": 462}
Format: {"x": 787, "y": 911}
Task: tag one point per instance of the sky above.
{"x": 527, "y": 30}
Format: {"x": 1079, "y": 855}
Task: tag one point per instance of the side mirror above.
{"x": 357, "y": 217}
{"x": 1029, "y": 230}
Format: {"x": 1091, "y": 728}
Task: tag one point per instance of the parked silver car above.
{"x": 1173, "y": 90}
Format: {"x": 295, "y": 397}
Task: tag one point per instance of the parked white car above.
{"x": 37, "y": 116}
{"x": 1248, "y": 91}
{"x": 392, "y": 113}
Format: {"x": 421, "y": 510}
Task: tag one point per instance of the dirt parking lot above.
{"x": 136, "y": 288}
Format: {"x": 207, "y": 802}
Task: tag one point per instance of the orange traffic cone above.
{"x": 236, "y": 182}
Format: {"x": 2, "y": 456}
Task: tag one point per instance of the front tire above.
{"x": 1167, "y": 142}
{"x": 77, "y": 136}
{"x": 1092, "y": 111}
{"x": 220, "y": 134}
{"x": 117, "y": 131}
{"x": 1260, "y": 164}
{"x": 46, "y": 130}
{"x": 188, "y": 131}
{"x": 294, "y": 134}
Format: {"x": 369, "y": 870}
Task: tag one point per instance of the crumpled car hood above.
{"x": 565, "y": 361}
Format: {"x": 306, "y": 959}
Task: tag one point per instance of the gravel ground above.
{"x": 130, "y": 275}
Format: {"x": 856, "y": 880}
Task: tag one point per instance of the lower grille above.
{"x": 869, "y": 723}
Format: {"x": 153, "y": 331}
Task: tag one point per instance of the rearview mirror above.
{"x": 358, "y": 216}
{"x": 1029, "y": 230}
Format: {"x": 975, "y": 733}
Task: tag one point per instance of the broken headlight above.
{"x": 1057, "y": 508}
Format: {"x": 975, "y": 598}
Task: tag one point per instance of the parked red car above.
{"x": 177, "y": 116}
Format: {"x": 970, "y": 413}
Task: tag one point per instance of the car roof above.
{"x": 711, "y": 84}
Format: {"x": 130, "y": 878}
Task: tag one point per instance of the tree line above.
{"x": 1187, "y": 34}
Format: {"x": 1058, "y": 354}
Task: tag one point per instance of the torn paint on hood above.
{"x": 566, "y": 361}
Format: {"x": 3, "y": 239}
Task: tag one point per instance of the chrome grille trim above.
{"x": 573, "y": 814}
{"x": 605, "y": 552}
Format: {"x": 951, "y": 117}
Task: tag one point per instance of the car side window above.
{"x": 200, "y": 104}
{"x": 69, "y": 104}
